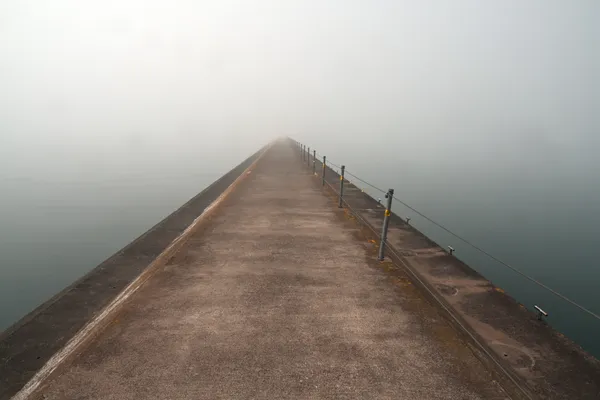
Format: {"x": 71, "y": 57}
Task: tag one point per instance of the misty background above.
{"x": 483, "y": 115}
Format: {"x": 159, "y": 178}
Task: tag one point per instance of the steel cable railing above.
{"x": 461, "y": 238}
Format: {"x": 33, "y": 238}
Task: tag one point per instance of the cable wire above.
{"x": 335, "y": 165}
{"x": 365, "y": 182}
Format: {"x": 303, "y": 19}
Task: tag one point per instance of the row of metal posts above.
{"x": 305, "y": 153}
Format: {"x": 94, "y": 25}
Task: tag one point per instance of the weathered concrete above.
{"x": 31, "y": 342}
{"x": 279, "y": 296}
{"x": 542, "y": 361}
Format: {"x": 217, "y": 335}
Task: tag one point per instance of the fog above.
{"x": 485, "y": 115}
{"x": 136, "y": 78}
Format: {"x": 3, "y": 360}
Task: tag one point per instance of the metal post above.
{"x": 342, "y": 186}
{"x": 324, "y": 164}
{"x": 386, "y": 222}
{"x": 302, "y": 152}
{"x": 314, "y": 161}
{"x": 308, "y": 157}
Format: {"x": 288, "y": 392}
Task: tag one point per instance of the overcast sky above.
{"x": 130, "y": 77}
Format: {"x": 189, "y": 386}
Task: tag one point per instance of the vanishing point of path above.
{"x": 278, "y": 296}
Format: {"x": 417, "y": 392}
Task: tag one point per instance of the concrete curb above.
{"x": 96, "y": 325}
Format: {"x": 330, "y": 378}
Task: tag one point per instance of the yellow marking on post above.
{"x": 387, "y": 213}
{"x": 341, "y": 178}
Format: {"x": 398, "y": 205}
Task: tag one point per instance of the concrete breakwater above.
{"x": 279, "y": 294}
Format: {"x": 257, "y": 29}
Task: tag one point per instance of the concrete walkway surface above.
{"x": 278, "y": 296}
